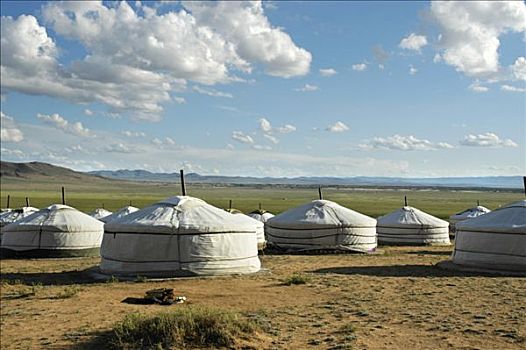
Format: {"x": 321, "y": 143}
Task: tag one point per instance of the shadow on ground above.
{"x": 400, "y": 271}
{"x": 63, "y": 278}
{"x": 430, "y": 252}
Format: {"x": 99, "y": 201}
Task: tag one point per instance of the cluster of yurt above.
{"x": 260, "y": 226}
{"x": 127, "y": 210}
{"x": 100, "y": 213}
{"x": 466, "y": 215}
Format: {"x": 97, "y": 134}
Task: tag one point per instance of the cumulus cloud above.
{"x": 360, "y": 67}
{"x": 265, "y": 125}
{"x": 262, "y": 147}
{"x": 337, "y": 127}
{"x": 59, "y": 122}
{"x": 129, "y": 133}
{"x": 286, "y": 129}
{"x": 488, "y": 139}
{"x": 211, "y": 92}
{"x": 307, "y": 88}
{"x": 9, "y": 132}
{"x": 510, "y": 88}
{"x": 327, "y": 72}
{"x": 271, "y": 138}
{"x": 88, "y": 112}
{"x": 135, "y": 59}
{"x": 403, "y": 143}
{"x": 119, "y": 147}
{"x": 166, "y": 142}
{"x": 413, "y": 42}
{"x": 242, "y": 137}
{"x": 412, "y": 70}
{"x": 470, "y": 32}
{"x": 476, "y": 87}
{"x": 519, "y": 68}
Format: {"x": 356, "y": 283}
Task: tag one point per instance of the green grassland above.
{"x": 87, "y": 195}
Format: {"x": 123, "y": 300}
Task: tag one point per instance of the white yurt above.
{"x": 410, "y": 226}
{"x": 56, "y": 231}
{"x": 178, "y": 236}
{"x": 127, "y": 210}
{"x": 321, "y": 224}
{"x": 496, "y": 240}
{"x": 15, "y": 214}
{"x": 467, "y": 214}
{"x": 100, "y": 213}
{"x": 261, "y": 215}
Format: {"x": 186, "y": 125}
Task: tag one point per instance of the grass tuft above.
{"x": 296, "y": 279}
{"x": 68, "y": 292}
{"x": 183, "y": 328}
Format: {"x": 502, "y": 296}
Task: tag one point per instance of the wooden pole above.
{"x": 63, "y": 196}
{"x": 230, "y": 204}
{"x": 524, "y": 180}
{"x": 319, "y": 193}
{"x": 8, "y": 200}
{"x": 478, "y": 203}
{"x": 27, "y": 202}
{"x": 130, "y": 204}
{"x": 183, "y": 187}
{"x": 405, "y": 201}
{"x": 259, "y": 206}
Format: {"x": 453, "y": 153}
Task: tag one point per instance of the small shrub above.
{"x": 185, "y": 327}
{"x": 68, "y": 292}
{"x": 112, "y": 279}
{"x": 296, "y": 279}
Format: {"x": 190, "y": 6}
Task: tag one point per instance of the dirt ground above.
{"x": 398, "y": 300}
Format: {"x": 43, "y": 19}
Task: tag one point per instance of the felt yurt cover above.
{"x": 495, "y": 240}
{"x": 181, "y": 235}
{"x": 261, "y": 215}
{"x": 469, "y": 214}
{"x": 322, "y": 224}
{"x": 119, "y": 213}
{"x": 260, "y": 231}
{"x": 412, "y": 226}
{"x": 99, "y": 213}
{"x": 16, "y": 214}
{"x": 56, "y": 231}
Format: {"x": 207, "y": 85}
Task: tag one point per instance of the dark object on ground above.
{"x": 161, "y": 296}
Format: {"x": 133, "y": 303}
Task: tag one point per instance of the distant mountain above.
{"x": 39, "y": 170}
{"x": 498, "y": 182}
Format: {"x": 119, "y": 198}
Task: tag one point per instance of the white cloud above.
{"x": 265, "y": 125}
{"x": 470, "y": 32}
{"x": 129, "y": 133}
{"x": 328, "y": 72}
{"x": 262, "y": 147}
{"x": 169, "y": 141}
{"x": 337, "y": 127}
{"x": 16, "y": 153}
{"x": 135, "y": 59}
{"x": 413, "y": 42}
{"x": 476, "y": 87}
{"x": 179, "y": 100}
{"x": 271, "y": 138}
{"x": 488, "y": 139}
{"x": 242, "y": 137}
{"x": 59, "y": 122}
{"x": 412, "y": 70}
{"x": 286, "y": 129}
{"x": 245, "y": 25}
{"x": 360, "y": 67}
{"x": 212, "y": 92}
{"x": 156, "y": 141}
{"x": 119, "y": 147}
{"x": 9, "y": 132}
{"x": 403, "y": 143}
{"x": 510, "y": 88}
{"x": 88, "y": 112}
{"x": 519, "y": 68}
{"x": 307, "y": 88}
{"x": 164, "y": 143}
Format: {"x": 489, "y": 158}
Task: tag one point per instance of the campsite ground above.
{"x": 396, "y": 300}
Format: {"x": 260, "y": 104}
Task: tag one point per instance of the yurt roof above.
{"x": 120, "y": 213}
{"x": 470, "y": 213}
{"x": 410, "y": 217}
{"x": 57, "y": 217}
{"x": 181, "y": 214}
{"x": 510, "y": 218}
{"x": 16, "y": 214}
{"x": 320, "y": 213}
{"x": 100, "y": 213}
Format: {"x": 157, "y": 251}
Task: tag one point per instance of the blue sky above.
{"x": 411, "y": 89}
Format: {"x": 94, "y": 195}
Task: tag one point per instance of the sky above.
{"x": 410, "y": 89}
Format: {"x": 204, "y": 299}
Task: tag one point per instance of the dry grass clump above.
{"x": 185, "y": 327}
{"x": 296, "y": 278}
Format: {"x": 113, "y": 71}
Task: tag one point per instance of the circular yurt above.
{"x": 496, "y": 240}
{"x": 15, "y": 214}
{"x": 262, "y": 243}
{"x": 261, "y": 215}
{"x": 410, "y": 226}
{"x": 100, "y": 213}
{"x": 56, "y": 231}
{"x": 180, "y": 236}
{"x": 321, "y": 224}
{"x": 467, "y": 214}
{"x": 119, "y": 214}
